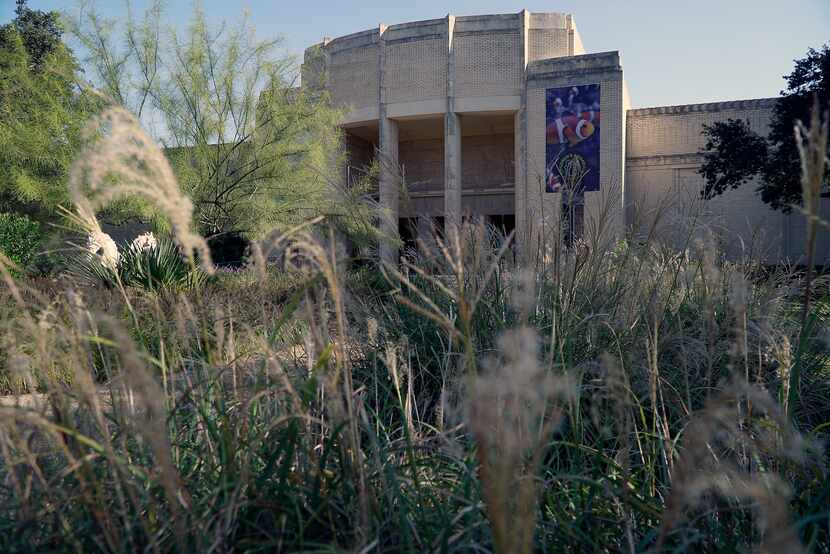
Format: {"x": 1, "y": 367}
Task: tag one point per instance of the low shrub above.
{"x": 20, "y": 238}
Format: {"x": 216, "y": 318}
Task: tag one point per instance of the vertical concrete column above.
{"x": 452, "y": 143}
{"x": 389, "y": 181}
{"x": 569, "y": 21}
{"x": 524, "y": 217}
{"x": 389, "y": 184}
{"x": 452, "y": 171}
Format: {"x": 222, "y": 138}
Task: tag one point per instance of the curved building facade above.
{"x": 508, "y": 117}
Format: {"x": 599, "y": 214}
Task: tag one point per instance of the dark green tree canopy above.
{"x": 41, "y": 31}
{"x": 735, "y": 154}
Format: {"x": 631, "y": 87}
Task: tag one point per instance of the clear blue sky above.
{"x": 673, "y": 51}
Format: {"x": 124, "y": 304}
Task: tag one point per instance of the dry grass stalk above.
{"x": 513, "y": 409}
{"x": 120, "y": 160}
{"x": 309, "y": 254}
{"x": 725, "y": 446}
{"x": 461, "y": 267}
{"x": 812, "y": 150}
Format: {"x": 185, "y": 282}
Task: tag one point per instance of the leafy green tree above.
{"x": 253, "y": 151}
{"x": 42, "y": 112}
{"x": 735, "y": 154}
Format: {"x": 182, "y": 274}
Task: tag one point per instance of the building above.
{"x": 502, "y": 115}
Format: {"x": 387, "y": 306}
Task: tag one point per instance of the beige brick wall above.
{"x": 489, "y": 57}
{"x": 353, "y": 76}
{"x": 547, "y": 43}
{"x": 676, "y": 129}
{"x": 542, "y": 213}
{"x": 313, "y": 70}
{"x": 488, "y": 63}
{"x": 416, "y": 69}
{"x": 487, "y": 161}
{"x": 549, "y": 36}
{"x": 663, "y": 185}
{"x": 578, "y": 47}
{"x": 422, "y": 162}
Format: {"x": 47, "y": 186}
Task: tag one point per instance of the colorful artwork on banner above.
{"x": 572, "y": 120}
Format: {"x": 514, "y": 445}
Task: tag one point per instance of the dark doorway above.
{"x": 228, "y": 249}
{"x": 503, "y": 223}
{"x": 408, "y": 232}
{"x": 573, "y": 220}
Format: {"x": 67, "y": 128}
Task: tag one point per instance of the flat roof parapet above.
{"x": 354, "y": 40}
{"x": 750, "y": 104}
{"x": 463, "y": 24}
{"x": 550, "y": 20}
{"x": 583, "y": 63}
{"x": 402, "y": 32}
{"x": 483, "y": 23}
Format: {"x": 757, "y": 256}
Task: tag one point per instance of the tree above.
{"x": 40, "y": 31}
{"x": 42, "y": 111}
{"x": 252, "y": 150}
{"x": 735, "y": 154}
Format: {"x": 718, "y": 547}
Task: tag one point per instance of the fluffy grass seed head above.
{"x": 122, "y": 160}
{"x": 100, "y": 245}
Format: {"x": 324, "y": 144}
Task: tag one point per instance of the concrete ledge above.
{"x": 416, "y": 30}
{"x": 511, "y": 103}
{"x": 418, "y": 108}
{"x": 752, "y": 104}
{"x": 489, "y": 23}
{"x": 469, "y": 191}
{"x": 691, "y": 159}
{"x": 354, "y": 40}
{"x": 361, "y": 115}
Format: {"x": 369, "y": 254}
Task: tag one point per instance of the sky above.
{"x": 673, "y": 51}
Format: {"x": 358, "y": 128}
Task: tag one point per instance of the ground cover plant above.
{"x": 615, "y": 395}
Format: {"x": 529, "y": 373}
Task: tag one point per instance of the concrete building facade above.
{"x": 462, "y": 115}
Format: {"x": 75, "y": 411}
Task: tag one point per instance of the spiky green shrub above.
{"x": 157, "y": 267}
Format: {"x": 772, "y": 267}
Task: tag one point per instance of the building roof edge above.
{"x": 748, "y": 104}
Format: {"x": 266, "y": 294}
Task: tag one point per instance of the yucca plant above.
{"x": 157, "y": 267}
{"x": 86, "y": 267}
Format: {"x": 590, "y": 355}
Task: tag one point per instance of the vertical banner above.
{"x": 572, "y": 123}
